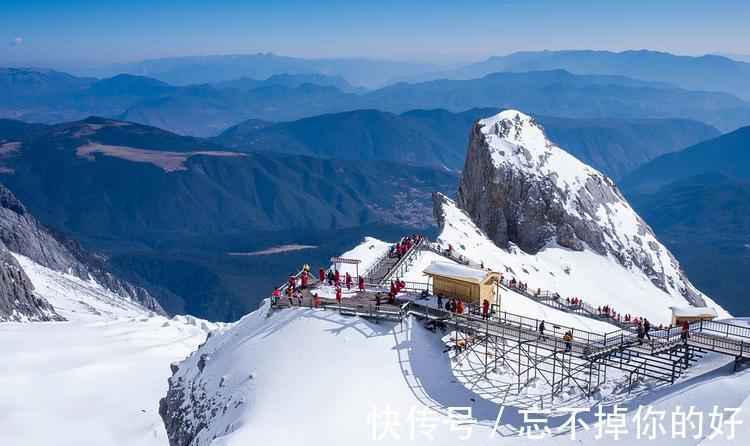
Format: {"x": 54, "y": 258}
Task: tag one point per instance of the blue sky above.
{"x": 106, "y": 31}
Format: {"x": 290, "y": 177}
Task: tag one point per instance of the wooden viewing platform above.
{"x": 663, "y": 357}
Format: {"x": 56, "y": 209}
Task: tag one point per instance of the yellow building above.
{"x": 691, "y": 314}
{"x": 463, "y": 282}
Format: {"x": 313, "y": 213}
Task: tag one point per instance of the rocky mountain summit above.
{"x": 523, "y": 190}
{"x": 22, "y": 234}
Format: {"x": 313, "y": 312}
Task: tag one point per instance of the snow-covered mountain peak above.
{"x": 524, "y": 191}
{"x": 516, "y": 139}
{"x": 514, "y": 126}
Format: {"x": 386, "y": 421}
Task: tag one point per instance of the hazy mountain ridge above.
{"x": 726, "y": 154}
{"x": 708, "y": 72}
{"x": 438, "y": 137}
{"x": 207, "y": 110}
{"x": 697, "y": 202}
{"x": 370, "y": 73}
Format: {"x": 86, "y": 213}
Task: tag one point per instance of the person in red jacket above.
{"x": 486, "y": 309}
{"x": 337, "y": 278}
{"x": 348, "y": 281}
{"x": 460, "y": 309}
{"x": 292, "y": 282}
{"x": 276, "y": 295}
{"x": 338, "y": 293}
{"x": 685, "y": 334}
{"x": 322, "y": 275}
{"x": 394, "y": 288}
{"x": 361, "y": 283}
{"x": 304, "y": 279}
{"x": 316, "y": 300}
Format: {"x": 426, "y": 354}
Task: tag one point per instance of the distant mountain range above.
{"x": 301, "y": 152}
{"x": 710, "y": 72}
{"x": 206, "y": 109}
{"x": 697, "y": 200}
{"x": 560, "y": 93}
{"x": 83, "y": 176}
{"x": 162, "y": 206}
{"x": 439, "y": 137}
{"x": 370, "y": 73}
{"x": 727, "y": 154}
{"x": 356, "y": 135}
{"x": 292, "y": 81}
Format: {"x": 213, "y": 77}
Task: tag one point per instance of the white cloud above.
{"x": 16, "y": 41}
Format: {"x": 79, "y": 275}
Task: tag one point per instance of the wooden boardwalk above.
{"x": 663, "y": 357}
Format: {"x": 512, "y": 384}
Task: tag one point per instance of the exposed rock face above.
{"x": 567, "y": 237}
{"x": 18, "y": 303}
{"x": 193, "y": 400}
{"x": 183, "y": 425}
{"x": 22, "y": 234}
{"x": 521, "y": 189}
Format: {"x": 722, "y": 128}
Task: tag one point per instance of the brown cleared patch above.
{"x": 169, "y": 161}
{"x": 9, "y": 147}
{"x": 274, "y": 250}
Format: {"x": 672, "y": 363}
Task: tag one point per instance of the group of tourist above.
{"x": 400, "y": 248}
{"x": 448, "y": 252}
{"x": 333, "y": 278}
{"x": 457, "y": 306}
{"x": 397, "y": 286}
{"x": 576, "y": 302}
{"x": 512, "y": 283}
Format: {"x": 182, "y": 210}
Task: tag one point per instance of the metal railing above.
{"x": 400, "y": 268}
{"x": 434, "y": 247}
{"x": 711, "y": 335}
{"x": 376, "y": 266}
{"x": 545, "y": 297}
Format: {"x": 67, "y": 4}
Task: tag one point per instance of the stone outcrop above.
{"x": 18, "y": 303}
{"x": 522, "y": 190}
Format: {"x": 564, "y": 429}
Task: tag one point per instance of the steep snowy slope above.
{"x": 527, "y": 207}
{"x": 21, "y": 234}
{"x": 314, "y": 377}
{"x": 513, "y": 302}
{"x": 94, "y": 379}
{"x": 596, "y": 279}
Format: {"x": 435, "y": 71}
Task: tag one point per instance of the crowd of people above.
{"x": 457, "y": 306}
{"x": 512, "y": 283}
{"x": 458, "y": 258}
{"x": 400, "y": 248}
{"x": 605, "y": 311}
{"x": 334, "y": 278}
